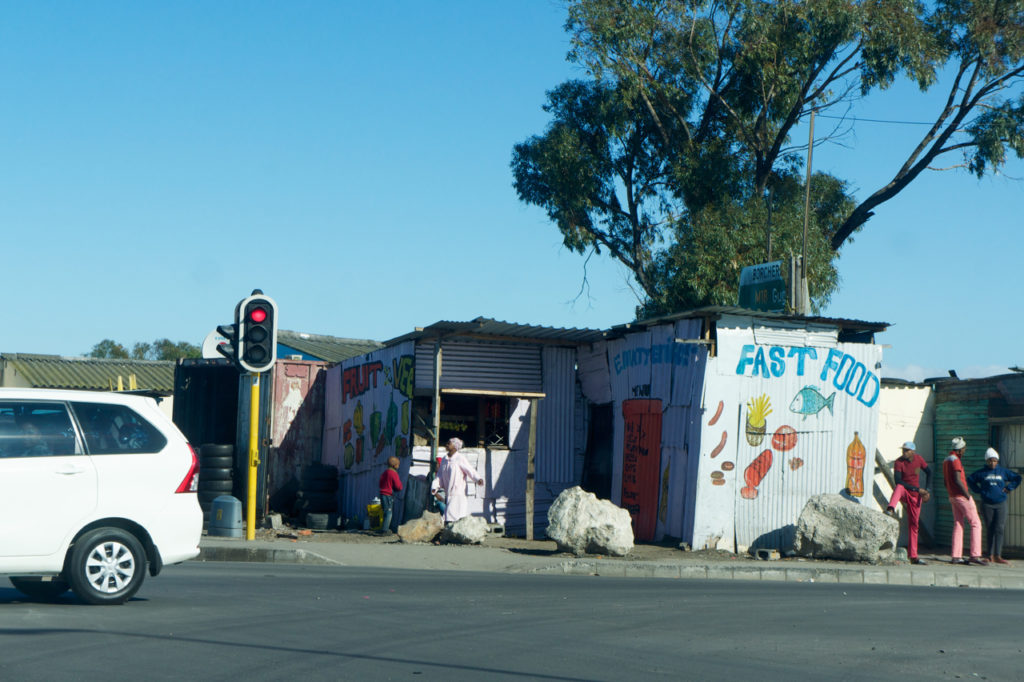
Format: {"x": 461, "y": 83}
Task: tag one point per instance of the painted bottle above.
{"x": 855, "y": 456}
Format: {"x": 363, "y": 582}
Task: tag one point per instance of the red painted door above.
{"x": 641, "y": 464}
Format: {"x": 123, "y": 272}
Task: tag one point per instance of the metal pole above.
{"x": 531, "y": 458}
{"x": 254, "y": 457}
{"x": 437, "y": 406}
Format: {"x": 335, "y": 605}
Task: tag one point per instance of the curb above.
{"x": 263, "y": 555}
{"x": 855, "y": 576}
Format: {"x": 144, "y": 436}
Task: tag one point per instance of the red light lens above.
{"x": 258, "y": 315}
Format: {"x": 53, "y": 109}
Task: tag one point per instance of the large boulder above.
{"x": 580, "y": 523}
{"x": 469, "y": 530}
{"x": 832, "y": 527}
{"x": 422, "y": 529}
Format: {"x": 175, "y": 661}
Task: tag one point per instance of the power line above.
{"x": 878, "y": 120}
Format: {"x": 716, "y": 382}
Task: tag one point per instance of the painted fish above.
{"x": 810, "y": 401}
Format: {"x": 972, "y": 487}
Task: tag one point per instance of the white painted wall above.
{"x": 908, "y": 413}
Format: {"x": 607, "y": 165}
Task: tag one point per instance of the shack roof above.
{"x": 328, "y": 348}
{"x": 486, "y": 328}
{"x": 714, "y": 313}
{"x": 56, "y": 371}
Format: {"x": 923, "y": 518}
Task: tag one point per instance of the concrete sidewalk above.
{"x": 509, "y": 555}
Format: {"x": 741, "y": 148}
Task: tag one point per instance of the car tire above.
{"x": 216, "y": 450}
{"x": 320, "y": 485}
{"x": 39, "y": 589}
{"x": 215, "y": 486}
{"x": 216, "y": 462}
{"x": 213, "y": 474}
{"x": 106, "y": 566}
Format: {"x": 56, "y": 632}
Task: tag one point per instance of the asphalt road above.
{"x": 271, "y": 622}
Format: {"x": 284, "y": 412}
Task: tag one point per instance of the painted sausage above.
{"x": 755, "y": 473}
{"x": 718, "y": 413}
{"x": 721, "y": 444}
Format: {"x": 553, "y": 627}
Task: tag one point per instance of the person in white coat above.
{"x": 452, "y": 476}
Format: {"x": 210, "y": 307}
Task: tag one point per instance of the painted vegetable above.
{"x": 855, "y": 456}
{"x": 721, "y": 444}
{"x": 758, "y": 410}
{"x": 795, "y": 463}
{"x": 755, "y": 473}
{"x": 718, "y": 413}
{"x": 784, "y": 438}
{"x": 728, "y": 466}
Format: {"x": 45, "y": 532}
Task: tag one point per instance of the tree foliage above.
{"x": 674, "y": 150}
{"x": 161, "y": 349}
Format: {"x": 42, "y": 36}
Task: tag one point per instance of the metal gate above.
{"x": 1011, "y": 456}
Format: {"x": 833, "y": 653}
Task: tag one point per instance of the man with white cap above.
{"x": 907, "y": 471}
{"x": 964, "y": 511}
{"x": 993, "y": 483}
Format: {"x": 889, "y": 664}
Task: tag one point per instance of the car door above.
{"x": 48, "y": 486}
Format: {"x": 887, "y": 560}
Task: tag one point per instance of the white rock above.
{"x": 832, "y": 527}
{"x": 582, "y": 524}
{"x": 422, "y": 529}
{"x": 469, "y": 530}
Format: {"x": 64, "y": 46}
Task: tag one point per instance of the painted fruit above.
{"x": 784, "y": 438}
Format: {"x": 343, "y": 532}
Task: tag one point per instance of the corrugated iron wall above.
{"x": 555, "y": 421}
{"x": 781, "y": 423}
{"x": 969, "y": 420}
{"x": 298, "y": 420}
{"x": 1011, "y": 456}
{"x": 481, "y": 366}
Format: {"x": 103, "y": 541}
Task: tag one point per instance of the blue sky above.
{"x": 158, "y": 161}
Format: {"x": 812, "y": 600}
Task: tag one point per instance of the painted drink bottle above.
{"x": 855, "y": 456}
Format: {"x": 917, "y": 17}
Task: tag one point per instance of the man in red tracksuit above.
{"x": 963, "y": 506}
{"x": 907, "y": 475}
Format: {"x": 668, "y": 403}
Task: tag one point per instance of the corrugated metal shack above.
{"x": 485, "y": 373}
{"x": 984, "y": 412}
{"x": 725, "y": 421}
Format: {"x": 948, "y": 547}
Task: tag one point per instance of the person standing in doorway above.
{"x": 390, "y": 483}
{"x": 964, "y": 510}
{"x": 452, "y": 478}
{"x": 907, "y": 470}
{"x": 994, "y": 484}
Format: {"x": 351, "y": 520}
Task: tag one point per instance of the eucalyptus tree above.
{"x": 676, "y": 152}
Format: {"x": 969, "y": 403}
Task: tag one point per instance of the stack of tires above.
{"x": 216, "y": 473}
{"x": 316, "y": 503}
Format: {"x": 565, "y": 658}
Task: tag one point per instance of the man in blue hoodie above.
{"x": 993, "y": 483}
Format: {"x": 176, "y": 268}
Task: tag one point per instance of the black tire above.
{"x": 322, "y": 521}
{"x": 39, "y": 589}
{"x": 207, "y": 497}
{"x": 106, "y": 566}
{"x": 314, "y": 472}
{"x": 315, "y": 502}
{"x": 321, "y": 485}
{"x": 216, "y": 450}
{"x": 216, "y": 462}
{"x": 214, "y": 486}
{"x": 214, "y": 474}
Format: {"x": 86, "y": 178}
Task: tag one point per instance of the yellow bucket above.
{"x": 375, "y": 513}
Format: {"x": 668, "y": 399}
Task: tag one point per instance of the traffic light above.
{"x": 229, "y": 348}
{"x": 257, "y": 333}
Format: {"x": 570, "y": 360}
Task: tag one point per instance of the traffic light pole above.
{"x": 254, "y": 456}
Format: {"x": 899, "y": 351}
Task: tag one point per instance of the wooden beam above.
{"x": 531, "y": 457}
{"x": 506, "y": 394}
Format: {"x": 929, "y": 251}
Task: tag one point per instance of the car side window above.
{"x": 116, "y": 429}
{"x": 36, "y": 429}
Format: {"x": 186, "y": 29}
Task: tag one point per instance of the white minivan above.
{"x": 96, "y": 489}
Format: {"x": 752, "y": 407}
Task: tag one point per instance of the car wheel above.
{"x": 107, "y": 566}
{"x": 37, "y": 588}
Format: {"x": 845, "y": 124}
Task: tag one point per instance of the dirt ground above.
{"x": 641, "y": 551}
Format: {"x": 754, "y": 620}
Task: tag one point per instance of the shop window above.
{"x": 480, "y": 421}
